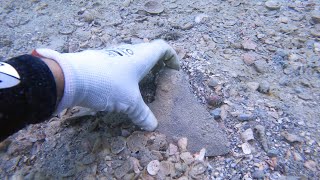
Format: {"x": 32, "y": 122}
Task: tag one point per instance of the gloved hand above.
{"x": 107, "y": 80}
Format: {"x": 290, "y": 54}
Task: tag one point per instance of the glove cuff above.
{"x": 70, "y": 78}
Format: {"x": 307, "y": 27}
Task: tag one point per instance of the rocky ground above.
{"x": 253, "y": 64}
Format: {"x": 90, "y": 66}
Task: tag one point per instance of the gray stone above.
{"x": 245, "y": 117}
{"x": 264, "y": 87}
{"x": 216, "y": 113}
{"x": 259, "y": 174}
{"x": 180, "y": 115}
{"x": 273, "y": 153}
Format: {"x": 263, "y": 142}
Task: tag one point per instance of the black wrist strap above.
{"x": 32, "y": 100}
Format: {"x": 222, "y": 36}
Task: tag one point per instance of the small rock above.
{"x": 247, "y": 135}
{"x": 124, "y": 169}
{"x": 197, "y": 168}
{"x": 213, "y": 82}
{"x": 283, "y": 19}
{"x": 216, "y": 113}
{"x": 312, "y": 165}
{"x": 248, "y": 58}
{"x": 87, "y": 16}
{"x": 260, "y": 66}
{"x": 214, "y": 100}
{"x": 273, "y": 153}
{"x": 253, "y": 85}
{"x": 264, "y": 87}
{"x": 173, "y": 149}
{"x": 247, "y": 44}
{"x": 315, "y": 32}
{"x": 201, "y": 18}
{"x": 180, "y": 168}
{"x": 315, "y": 16}
{"x": 316, "y": 47}
{"x": 153, "y": 7}
{"x": 291, "y": 137}
{"x": 258, "y": 174}
{"x": 182, "y": 144}
{"x": 117, "y": 145}
{"x": 293, "y": 57}
{"x": 245, "y": 117}
{"x": 166, "y": 168}
{"x": 187, "y": 157}
{"x": 187, "y": 26}
{"x": 273, "y": 4}
{"x": 246, "y": 148}
{"x": 153, "y": 167}
{"x": 200, "y": 156}
{"x": 136, "y": 141}
{"x": 261, "y": 131}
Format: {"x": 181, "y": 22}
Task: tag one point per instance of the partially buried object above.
{"x": 180, "y": 115}
{"x": 153, "y": 7}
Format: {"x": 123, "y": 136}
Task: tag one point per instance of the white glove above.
{"x": 107, "y": 80}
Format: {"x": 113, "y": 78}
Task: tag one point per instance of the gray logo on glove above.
{"x": 9, "y": 76}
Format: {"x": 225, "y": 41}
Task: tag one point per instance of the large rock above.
{"x": 180, "y": 115}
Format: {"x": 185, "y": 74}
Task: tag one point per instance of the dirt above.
{"x": 257, "y": 61}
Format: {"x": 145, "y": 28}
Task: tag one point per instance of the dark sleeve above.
{"x": 31, "y": 100}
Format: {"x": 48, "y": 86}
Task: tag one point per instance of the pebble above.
{"x": 261, "y": 131}
{"x": 264, "y": 87}
{"x": 197, "y": 169}
{"x": 187, "y": 26}
{"x": 248, "y": 58}
{"x": 297, "y": 156}
{"x": 117, "y": 145}
{"x": 173, "y": 149}
{"x": 89, "y": 159}
{"x": 245, "y": 117}
{"x": 124, "y": 169}
{"x": 216, "y": 113}
{"x": 136, "y": 141}
{"x": 292, "y": 137}
{"x": 273, "y": 4}
{"x": 258, "y": 174}
{"x": 316, "y": 47}
{"x": 253, "y": 85}
{"x": 247, "y": 135}
{"x": 273, "y": 153}
{"x": 248, "y": 44}
{"x": 214, "y": 100}
{"x": 182, "y": 144}
{"x": 187, "y": 157}
{"x": 153, "y": 167}
{"x": 315, "y": 16}
{"x": 246, "y": 148}
{"x": 212, "y": 82}
{"x": 200, "y": 18}
{"x": 261, "y": 66}
{"x": 153, "y": 7}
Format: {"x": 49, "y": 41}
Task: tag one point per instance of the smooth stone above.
{"x": 273, "y": 153}
{"x": 264, "y": 87}
{"x": 216, "y": 113}
{"x": 245, "y": 117}
{"x": 258, "y": 174}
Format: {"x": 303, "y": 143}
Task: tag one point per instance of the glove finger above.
{"x": 142, "y": 116}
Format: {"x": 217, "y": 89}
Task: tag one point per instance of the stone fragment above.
{"x": 200, "y": 18}
{"x": 258, "y": 174}
{"x": 311, "y": 165}
{"x": 273, "y": 4}
{"x": 201, "y": 155}
{"x": 197, "y": 168}
{"x": 125, "y": 168}
{"x": 66, "y": 29}
{"x": 182, "y": 144}
{"x": 216, "y": 113}
{"x": 213, "y": 82}
{"x": 136, "y": 141}
{"x": 261, "y": 131}
{"x": 248, "y": 44}
{"x": 273, "y": 153}
{"x": 214, "y": 100}
{"x": 248, "y": 58}
{"x": 88, "y": 159}
{"x": 261, "y": 66}
{"x": 180, "y": 168}
{"x": 153, "y": 167}
{"x": 292, "y": 137}
{"x": 118, "y": 144}
{"x": 153, "y": 7}
{"x": 297, "y": 156}
{"x": 264, "y": 87}
{"x": 247, "y": 135}
{"x": 173, "y": 149}
{"x": 246, "y": 148}
{"x": 187, "y": 157}
{"x": 166, "y": 168}
{"x": 253, "y": 85}
{"x": 245, "y": 117}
